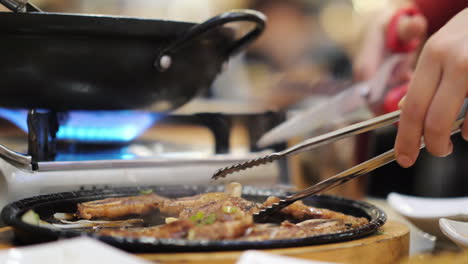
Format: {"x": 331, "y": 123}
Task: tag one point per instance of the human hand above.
{"x": 436, "y": 93}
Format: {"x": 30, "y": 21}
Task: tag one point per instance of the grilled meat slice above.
{"x": 176, "y": 229}
{"x": 298, "y": 210}
{"x": 228, "y": 209}
{"x": 221, "y": 230}
{"x": 188, "y": 229}
{"x": 112, "y": 208}
{"x": 175, "y": 206}
{"x": 289, "y": 230}
{"x": 188, "y": 205}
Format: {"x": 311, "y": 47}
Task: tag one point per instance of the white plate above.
{"x": 425, "y": 213}
{"x": 455, "y": 230}
{"x": 82, "y": 250}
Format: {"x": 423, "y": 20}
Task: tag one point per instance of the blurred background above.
{"x": 307, "y": 45}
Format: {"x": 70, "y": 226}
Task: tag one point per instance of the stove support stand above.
{"x": 221, "y": 129}
{"x": 42, "y": 127}
{"x": 220, "y": 126}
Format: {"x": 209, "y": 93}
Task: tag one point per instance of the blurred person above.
{"x": 293, "y": 38}
{"x": 292, "y": 54}
{"x": 287, "y": 36}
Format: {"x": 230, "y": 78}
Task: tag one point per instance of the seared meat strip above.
{"x": 187, "y": 229}
{"x": 289, "y": 230}
{"x": 221, "y": 230}
{"x": 301, "y": 212}
{"x": 112, "y": 208}
{"x": 188, "y": 205}
{"x": 173, "y": 207}
{"x": 228, "y": 209}
{"x": 177, "y": 229}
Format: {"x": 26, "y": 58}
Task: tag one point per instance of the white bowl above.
{"x": 425, "y": 213}
{"x": 455, "y": 230}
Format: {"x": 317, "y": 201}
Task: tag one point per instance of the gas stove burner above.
{"x": 114, "y": 135}
{"x": 179, "y": 147}
{"x": 93, "y": 126}
{"x": 44, "y": 127}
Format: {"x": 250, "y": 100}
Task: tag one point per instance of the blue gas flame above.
{"x": 94, "y": 126}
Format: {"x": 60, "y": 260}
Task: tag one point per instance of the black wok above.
{"x": 47, "y": 205}
{"x": 68, "y": 61}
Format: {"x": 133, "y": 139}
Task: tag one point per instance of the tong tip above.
{"x": 264, "y": 214}
{"x": 221, "y": 173}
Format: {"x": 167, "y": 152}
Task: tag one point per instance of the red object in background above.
{"x": 439, "y": 12}
{"x": 394, "y": 97}
{"x": 393, "y": 41}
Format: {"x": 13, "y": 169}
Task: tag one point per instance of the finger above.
{"x": 412, "y": 28}
{"x": 443, "y": 111}
{"x": 420, "y": 92}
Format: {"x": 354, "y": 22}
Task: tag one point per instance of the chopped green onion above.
{"x": 146, "y": 191}
{"x": 198, "y": 217}
{"x": 210, "y": 219}
{"x": 230, "y": 209}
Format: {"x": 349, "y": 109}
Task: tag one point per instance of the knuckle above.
{"x": 437, "y": 47}
{"x": 461, "y": 62}
{"x": 433, "y": 129}
{"x": 413, "y": 112}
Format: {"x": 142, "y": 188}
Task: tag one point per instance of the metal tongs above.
{"x": 336, "y": 180}
{"x": 20, "y": 6}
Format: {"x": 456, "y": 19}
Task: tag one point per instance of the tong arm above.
{"x": 339, "y": 179}
{"x": 345, "y": 132}
{"x": 19, "y": 6}
{"x": 333, "y": 136}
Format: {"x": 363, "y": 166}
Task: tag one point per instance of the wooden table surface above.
{"x": 388, "y": 245}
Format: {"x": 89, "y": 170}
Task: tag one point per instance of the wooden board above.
{"x": 389, "y": 245}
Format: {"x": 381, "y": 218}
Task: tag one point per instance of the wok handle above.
{"x": 163, "y": 61}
